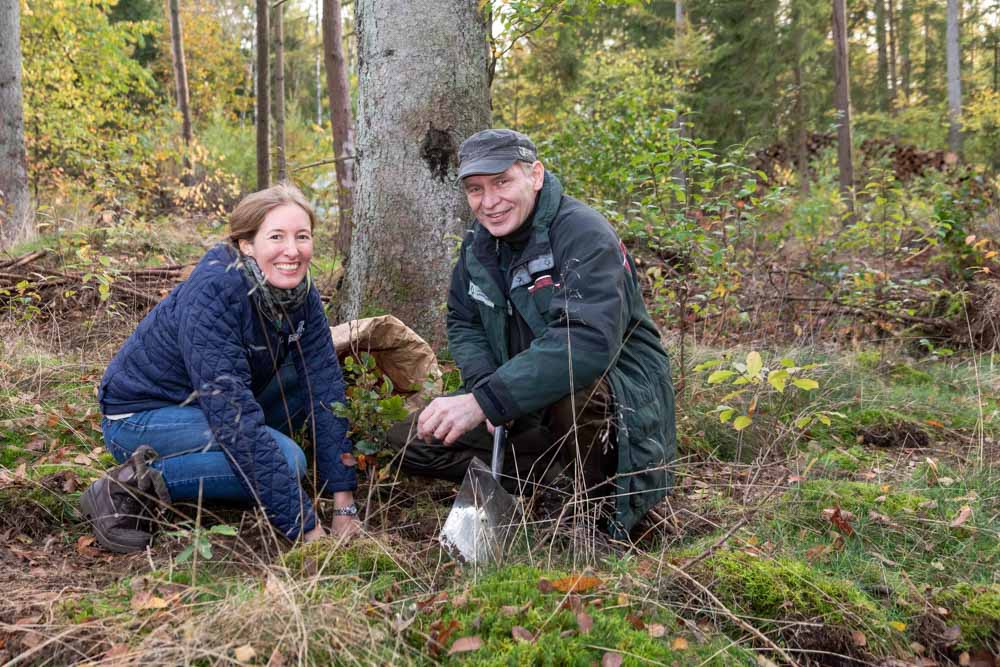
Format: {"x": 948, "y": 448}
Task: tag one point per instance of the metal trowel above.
{"x": 484, "y": 515}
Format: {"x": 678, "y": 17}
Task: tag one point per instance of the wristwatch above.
{"x": 350, "y": 510}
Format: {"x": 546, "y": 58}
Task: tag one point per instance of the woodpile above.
{"x": 22, "y": 278}
{"x": 906, "y": 160}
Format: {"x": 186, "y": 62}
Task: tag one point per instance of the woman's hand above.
{"x": 314, "y": 534}
{"x": 344, "y": 526}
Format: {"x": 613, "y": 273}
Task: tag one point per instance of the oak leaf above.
{"x": 466, "y": 644}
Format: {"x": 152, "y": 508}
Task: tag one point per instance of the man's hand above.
{"x": 448, "y": 417}
{"x": 314, "y": 534}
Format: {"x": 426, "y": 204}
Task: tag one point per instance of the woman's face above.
{"x": 282, "y": 246}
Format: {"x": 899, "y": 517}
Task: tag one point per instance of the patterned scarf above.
{"x": 274, "y": 303}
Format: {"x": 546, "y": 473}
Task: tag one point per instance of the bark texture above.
{"x": 180, "y": 70}
{"x": 280, "y": 164}
{"x": 419, "y": 96}
{"x": 16, "y": 216}
{"x": 954, "y": 80}
{"x": 263, "y": 98}
{"x": 341, "y": 122}
{"x": 842, "y": 100}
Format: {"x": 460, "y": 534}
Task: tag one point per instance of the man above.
{"x": 547, "y": 325}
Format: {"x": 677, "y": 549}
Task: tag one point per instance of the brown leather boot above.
{"x": 121, "y": 506}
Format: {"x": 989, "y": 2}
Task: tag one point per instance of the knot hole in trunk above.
{"x": 438, "y": 151}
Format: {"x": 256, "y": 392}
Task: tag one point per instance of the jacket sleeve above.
{"x": 216, "y": 361}
{"x": 322, "y": 382}
{"x": 588, "y": 317}
{"x": 467, "y": 340}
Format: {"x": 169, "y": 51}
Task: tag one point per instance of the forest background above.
{"x": 816, "y": 228}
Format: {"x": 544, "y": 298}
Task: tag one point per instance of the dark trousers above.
{"x": 573, "y": 436}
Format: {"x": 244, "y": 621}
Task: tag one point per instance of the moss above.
{"x": 850, "y": 460}
{"x": 856, "y": 497}
{"x": 974, "y": 609}
{"x": 782, "y": 588}
{"x": 363, "y": 556}
{"x": 909, "y": 376}
{"x": 510, "y": 596}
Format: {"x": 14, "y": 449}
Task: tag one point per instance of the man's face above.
{"x": 502, "y": 202}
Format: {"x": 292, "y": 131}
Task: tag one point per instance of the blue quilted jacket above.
{"x": 205, "y": 343}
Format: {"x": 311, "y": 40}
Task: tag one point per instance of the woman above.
{"x": 201, "y": 400}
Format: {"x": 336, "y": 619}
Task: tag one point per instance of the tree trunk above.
{"x": 927, "y": 73}
{"x": 905, "y": 34}
{"x": 679, "y": 173}
{"x": 263, "y": 98}
{"x": 339, "y": 91}
{"x": 882, "y": 68}
{"x": 418, "y": 99}
{"x": 16, "y": 215}
{"x": 278, "y": 73}
{"x": 954, "y": 80}
{"x": 842, "y": 100}
{"x": 801, "y": 118}
{"x": 180, "y": 70}
{"x": 893, "y": 81}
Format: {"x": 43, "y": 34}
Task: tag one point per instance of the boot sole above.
{"x": 89, "y": 514}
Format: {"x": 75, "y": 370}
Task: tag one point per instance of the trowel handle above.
{"x": 499, "y": 439}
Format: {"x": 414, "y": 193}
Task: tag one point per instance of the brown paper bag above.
{"x": 400, "y": 353}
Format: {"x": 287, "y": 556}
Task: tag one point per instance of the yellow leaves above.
{"x": 805, "y": 384}
{"x": 741, "y": 422}
{"x": 897, "y": 626}
{"x": 754, "y": 364}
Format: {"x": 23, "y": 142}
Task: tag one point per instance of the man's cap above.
{"x": 493, "y": 152}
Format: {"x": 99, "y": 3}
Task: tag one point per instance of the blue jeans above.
{"x": 190, "y": 457}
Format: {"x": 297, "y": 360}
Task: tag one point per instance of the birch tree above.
{"x": 180, "y": 70}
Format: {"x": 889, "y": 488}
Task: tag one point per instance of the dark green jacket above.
{"x": 577, "y": 289}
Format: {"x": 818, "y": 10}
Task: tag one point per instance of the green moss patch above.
{"x": 976, "y": 610}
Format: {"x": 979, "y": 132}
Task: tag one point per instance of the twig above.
{"x": 319, "y": 163}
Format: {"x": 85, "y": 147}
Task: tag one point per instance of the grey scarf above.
{"x": 274, "y": 303}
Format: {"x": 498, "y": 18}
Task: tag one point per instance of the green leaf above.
{"x": 223, "y": 529}
{"x": 787, "y": 363}
{"x": 720, "y": 376}
{"x": 805, "y": 384}
{"x": 711, "y": 363}
{"x": 741, "y": 380}
{"x": 823, "y": 419}
{"x": 754, "y": 364}
{"x": 185, "y": 555}
{"x": 204, "y": 548}
{"x": 803, "y": 421}
{"x": 741, "y": 422}
{"x": 726, "y": 415}
{"x": 366, "y": 447}
{"x": 778, "y": 379}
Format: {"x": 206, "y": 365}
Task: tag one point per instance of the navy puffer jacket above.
{"x": 207, "y": 344}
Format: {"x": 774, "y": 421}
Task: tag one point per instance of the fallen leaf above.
{"x": 636, "y": 622}
{"x": 585, "y": 622}
{"x": 951, "y": 634}
{"x": 145, "y": 600}
{"x": 816, "y": 552}
{"x": 882, "y": 519}
{"x": 679, "y": 644}
{"x": 656, "y": 630}
{"x": 964, "y": 659}
{"x": 245, "y": 653}
{"x": 348, "y": 459}
{"x": 545, "y": 586}
{"x": 466, "y": 644}
{"x": 575, "y": 584}
{"x": 460, "y": 601}
{"x": 21, "y": 471}
{"x": 28, "y": 620}
{"x": 84, "y": 548}
{"x": 610, "y": 659}
{"x": 116, "y": 651}
{"x": 840, "y": 519}
{"x": 277, "y": 658}
{"x": 82, "y": 459}
{"x": 32, "y": 639}
{"x": 934, "y": 423}
{"x": 962, "y": 517}
{"x": 510, "y": 610}
{"x": 897, "y": 626}
{"x": 522, "y": 634}
{"x": 859, "y": 638}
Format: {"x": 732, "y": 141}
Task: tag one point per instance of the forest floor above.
{"x": 873, "y": 539}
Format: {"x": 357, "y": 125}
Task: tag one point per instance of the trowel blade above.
{"x": 480, "y": 523}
